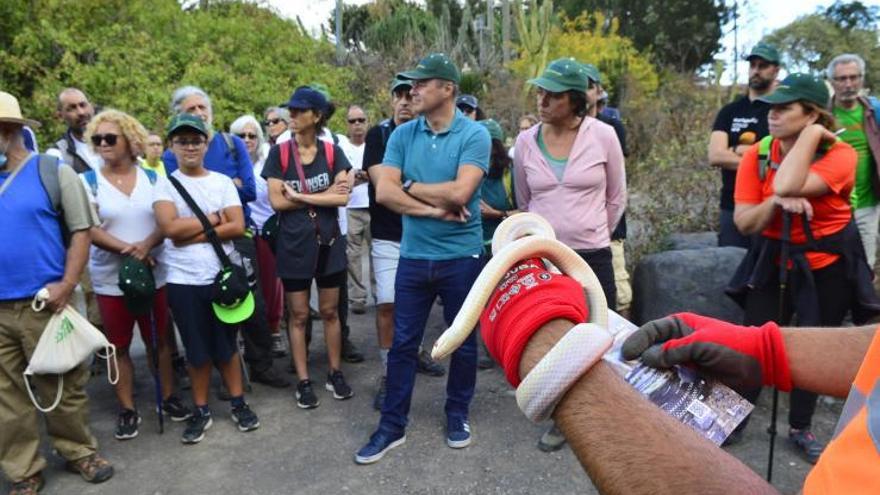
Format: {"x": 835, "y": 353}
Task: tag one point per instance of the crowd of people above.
{"x": 233, "y": 230}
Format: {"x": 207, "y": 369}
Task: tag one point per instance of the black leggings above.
{"x": 836, "y": 296}
{"x": 600, "y": 261}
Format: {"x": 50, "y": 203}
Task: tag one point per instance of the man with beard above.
{"x": 857, "y": 115}
{"x": 77, "y": 111}
{"x": 738, "y": 126}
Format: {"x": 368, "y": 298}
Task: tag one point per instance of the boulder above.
{"x": 686, "y": 280}
{"x": 693, "y": 240}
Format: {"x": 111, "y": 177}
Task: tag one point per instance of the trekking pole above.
{"x": 783, "y": 282}
{"x": 239, "y": 341}
{"x": 157, "y": 379}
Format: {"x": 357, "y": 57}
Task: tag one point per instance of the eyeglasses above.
{"x": 183, "y": 143}
{"x": 110, "y": 139}
{"x": 247, "y": 135}
{"x": 269, "y": 122}
{"x": 853, "y": 77}
{"x": 358, "y": 120}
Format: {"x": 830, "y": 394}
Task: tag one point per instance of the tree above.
{"x": 680, "y": 34}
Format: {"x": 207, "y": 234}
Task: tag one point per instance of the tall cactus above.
{"x": 533, "y": 27}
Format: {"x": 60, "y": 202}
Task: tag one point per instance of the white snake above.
{"x": 519, "y": 237}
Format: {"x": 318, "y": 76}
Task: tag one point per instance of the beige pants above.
{"x": 621, "y": 277}
{"x": 67, "y": 425}
{"x": 358, "y": 245}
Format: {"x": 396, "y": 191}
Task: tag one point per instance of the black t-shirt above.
{"x": 297, "y": 244}
{"x": 745, "y": 122}
{"x": 620, "y": 230}
{"x": 384, "y": 223}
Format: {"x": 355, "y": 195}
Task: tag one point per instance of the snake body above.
{"x": 519, "y": 237}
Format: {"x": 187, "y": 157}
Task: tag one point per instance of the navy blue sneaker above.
{"x": 458, "y": 433}
{"x": 380, "y": 443}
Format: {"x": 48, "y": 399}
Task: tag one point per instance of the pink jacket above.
{"x": 586, "y": 206}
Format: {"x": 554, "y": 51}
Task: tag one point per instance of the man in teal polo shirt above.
{"x": 431, "y": 175}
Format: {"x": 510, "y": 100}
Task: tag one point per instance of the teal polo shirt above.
{"x": 428, "y": 157}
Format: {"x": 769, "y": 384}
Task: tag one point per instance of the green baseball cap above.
{"x": 495, "y": 130}
{"x": 564, "y": 74}
{"x": 765, "y": 51}
{"x": 434, "y": 66}
{"x": 398, "y": 83}
{"x": 186, "y": 121}
{"x": 799, "y": 87}
{"x": 137, "y": 285}
{"x": 593, "y": 73}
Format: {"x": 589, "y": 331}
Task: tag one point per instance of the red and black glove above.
{"x": 743, "y": 358}
{"x": 528, "y": 297}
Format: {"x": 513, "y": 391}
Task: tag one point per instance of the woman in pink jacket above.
{"x": 569, "y": 167}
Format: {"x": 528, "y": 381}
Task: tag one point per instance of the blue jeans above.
{"x": 417, "y": 284}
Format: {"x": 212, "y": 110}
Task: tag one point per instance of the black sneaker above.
{"x": 379, "y": 400}
{"x": 350, "y": 353}
{"x": 173, "y": 408}
{"x": 336, "y": 384}
{"x": 271, "y": 378}
{"x": 127, "y": 424}
{"x": 245, "y": 418}
{"x": 305, "y": 396}
{"x": 196, "y": 426}
{"x": 806, "y": 444}
{"x": 428, "y": 366}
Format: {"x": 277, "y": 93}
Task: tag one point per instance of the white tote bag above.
{"x": 68, "y": 340}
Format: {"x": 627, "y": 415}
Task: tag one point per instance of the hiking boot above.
{"x": 278, "y": 350}
{"x": 175, "y": 410}
{"x": 552, "y": 440}
{"x": 428, "y": 366}
{"x": 305, "y": 396}
{"x": 271, "y": 378}
{"x": 245, "y": 418}
{"x": 350, "y": 353}
{"x": 358, "y": 308}
{"x": 27, "y": 486}
{"x": 127, "y": 424}
{"x": 806, "y": 444}
{"x": 196, "y": 426}
{"x": 336, "y": 384}
{"x": 379, "y": 400}
{"x": 380, "y": 443}
{"x": 458, "y": 433}
{"x": 93, "y": 468}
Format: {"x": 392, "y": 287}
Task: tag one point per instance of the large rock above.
{"x": 693, "y": 240}
{"x": 686, "y": 280}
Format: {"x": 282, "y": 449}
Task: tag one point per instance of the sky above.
{"x": 757, "y": 18}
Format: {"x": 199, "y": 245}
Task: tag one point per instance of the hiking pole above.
{"x": 783, "y": 282}
{"x": 157, "y": 380}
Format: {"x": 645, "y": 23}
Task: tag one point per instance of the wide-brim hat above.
{"x": 10, "y": 111}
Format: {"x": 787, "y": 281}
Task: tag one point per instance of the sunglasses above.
{"x": 359, "y": 120}
{"x": 247, "y": 135}
{"x": 183, "y": 143}
{"x": 271, "y": 121}
{"x": 110, "y": 139}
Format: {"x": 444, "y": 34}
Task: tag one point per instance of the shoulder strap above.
{"x": 299, "y": 167}
{"x": 210, "y": 233}
{"x": 285, "y": 149}
{"x": 383, "y": 128}
{"x": 764, "y": 161}
{"x": 330, "y": 154}
{"x": 48, "y": 168}
{"x": 92, "y": 180}
{"x": 230, "y": 145}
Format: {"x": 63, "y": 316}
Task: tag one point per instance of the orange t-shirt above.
{"x": 831, "y": 212}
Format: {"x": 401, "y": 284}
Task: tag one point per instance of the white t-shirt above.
{"x": 127, "y": 218}
{"x": 359, "y": 197}
{"x": 261, "y": 209}
{"x": 196, "y": 264}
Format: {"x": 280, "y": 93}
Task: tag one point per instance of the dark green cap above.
{"x": 562, "y": 75}
{"x": 137, "y": 285}
{"x": 765, "y": 51}
{"x": 799, "y": 87}
{"x": 495, "y": 130}
{"x": 434, "y": 66}
{"x": 593, "y": 73}
{"x": 398, "y": 83}
{"x": 188, "y": 121}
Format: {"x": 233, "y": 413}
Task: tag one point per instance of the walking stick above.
{"x": 783, "y": 282}
{"x": 157, "y": 379}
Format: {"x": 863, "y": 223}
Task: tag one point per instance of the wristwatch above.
{"x": 408, "y": 184}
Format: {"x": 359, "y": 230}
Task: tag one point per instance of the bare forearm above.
{"x": 751, "y": 219}
{"x": 825, "y": 360}
{"x": 725, "y": 159}
{"x": 182, "y": 228}
{"x": 446, "y": 195}
{"x": 106, "y": 241}
{"x": 230, "y": 230}
{"x": 793, "y": 171}
{"x": 77, "y": 256}
{"x": 642, "y": 450}
{"x": 325, "y": 198}
{"x": 400, "y": 202}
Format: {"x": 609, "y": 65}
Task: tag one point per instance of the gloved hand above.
{"x": 743, "y": 358}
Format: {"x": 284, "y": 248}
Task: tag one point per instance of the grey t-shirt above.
{"x": 297, "y": 243}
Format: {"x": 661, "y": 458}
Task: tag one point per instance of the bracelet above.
{"x": 568, "y": 360}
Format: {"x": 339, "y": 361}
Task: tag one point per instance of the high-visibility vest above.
{"x": 851, "y": 463}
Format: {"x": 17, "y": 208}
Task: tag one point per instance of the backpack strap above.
{"x": 48, "y": 169}
{"x": 383, "y": 128}
{"x": 230, "y": 145}
{"x": 764, "y": 161}
{"x": 285, "y": 151}
{"x": 330, "y": 154}
{"x": 92, "y": 180}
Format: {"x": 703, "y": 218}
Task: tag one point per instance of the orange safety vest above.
{"x": 851, "y": 463}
